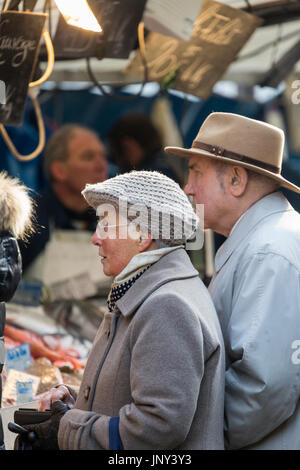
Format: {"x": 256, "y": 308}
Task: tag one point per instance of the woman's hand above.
{"x": 44, "y": 435}
{"x": 61, "y": 393}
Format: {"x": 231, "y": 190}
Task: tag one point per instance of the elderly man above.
{"x": 73, "y": 157}
{"x": 235, "y": 171}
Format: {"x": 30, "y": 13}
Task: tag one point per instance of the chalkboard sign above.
{"x": 20, "y": 35}
{"x": 119, "y": 21}
{"x": 194, "y": 66}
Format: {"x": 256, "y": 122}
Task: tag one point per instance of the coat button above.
{"x": 86, "y": 392}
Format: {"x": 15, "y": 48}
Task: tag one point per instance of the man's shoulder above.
{"x": 277, "y": 234}
{"x": 283, "y": 221}
{"x": 278, "y": 225}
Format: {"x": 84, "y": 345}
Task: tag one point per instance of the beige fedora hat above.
{"x": 247, "y": 142}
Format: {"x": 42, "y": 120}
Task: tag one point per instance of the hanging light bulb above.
{"x": 78, "y": 13}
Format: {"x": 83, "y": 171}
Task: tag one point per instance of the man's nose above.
{"x": 102, "y": 166}
{"x": 188, "y": 189}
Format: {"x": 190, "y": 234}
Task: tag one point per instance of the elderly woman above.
{"x": 154, "y": 378}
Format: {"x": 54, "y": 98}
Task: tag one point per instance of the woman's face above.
{"x": 116, "y": 246}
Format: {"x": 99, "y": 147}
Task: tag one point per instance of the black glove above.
{"x": 46, "y": 432}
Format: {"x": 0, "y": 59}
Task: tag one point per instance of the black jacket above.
{"x": 16, "y": 209}
{"x": 10, "y": 275}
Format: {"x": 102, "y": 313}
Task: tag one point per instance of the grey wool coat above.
{"x": 157, "y": 365}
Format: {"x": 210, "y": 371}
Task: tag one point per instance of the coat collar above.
{"x": 270, "y": 204}
{"x": 174, "y": 265}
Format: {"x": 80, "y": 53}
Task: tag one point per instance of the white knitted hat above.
{"x": 154, "y": 191}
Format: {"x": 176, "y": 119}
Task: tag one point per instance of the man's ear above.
{"x": 58, "y": 171}
{"x": 237, "y": 180}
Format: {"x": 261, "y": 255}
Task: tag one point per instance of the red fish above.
{"x": 37, "y": 348}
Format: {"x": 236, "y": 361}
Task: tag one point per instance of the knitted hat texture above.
{"x": 151, "y": 189}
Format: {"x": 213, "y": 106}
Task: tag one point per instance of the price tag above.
{"x": 18, "y": 358}
{"x": 10, "y": 393}
{"x": 24, "y": 392}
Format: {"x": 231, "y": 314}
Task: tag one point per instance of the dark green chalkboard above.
{"x": 20, "y": 35}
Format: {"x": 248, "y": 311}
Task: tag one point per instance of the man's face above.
{"x": 86, "y": 163}
{"x": 204, "y": 184}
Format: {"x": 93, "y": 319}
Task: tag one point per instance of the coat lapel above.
{"x": 172, "y": 266}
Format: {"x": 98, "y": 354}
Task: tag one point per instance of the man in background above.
{"x": 73, "y": 157}
{"x": 136, "y": 144}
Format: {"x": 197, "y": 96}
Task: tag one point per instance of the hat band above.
{"x": 221, "y": 152}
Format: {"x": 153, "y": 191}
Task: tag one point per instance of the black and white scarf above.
{"x": 118, "y": 291}
{"x": 135, "y": 268}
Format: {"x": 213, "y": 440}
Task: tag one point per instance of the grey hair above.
{"x": 262, "y": 180}
{"x": 57, "y": 148}
{"x": 168, "y": 243}
{"x": 254, "y": 176}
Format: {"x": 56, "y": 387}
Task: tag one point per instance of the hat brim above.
{"x": 187, "y": 153}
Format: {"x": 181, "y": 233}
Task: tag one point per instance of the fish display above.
{"x": 38, "y": 347}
